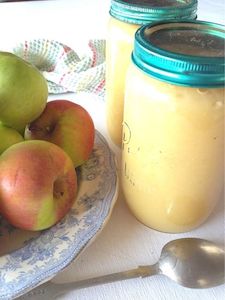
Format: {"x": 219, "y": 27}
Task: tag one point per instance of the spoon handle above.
{"x": 141, "y": 271}
{"x": 51, "y": 289}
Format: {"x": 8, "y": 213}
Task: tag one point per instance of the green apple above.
{"x": 66, "y": 124}
{"x": 38, "y": 184}
{"x": 8, "y": 137}
{"x": 23, "y": 91}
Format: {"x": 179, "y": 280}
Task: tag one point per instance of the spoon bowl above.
{"x": 193, "y": 263}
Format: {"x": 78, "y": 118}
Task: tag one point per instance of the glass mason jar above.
{"x": 126, "y": 17}
{"x": 173, "y": 130}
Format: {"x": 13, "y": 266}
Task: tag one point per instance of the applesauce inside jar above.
{"x": 173, "y": 146}
{"x": 125, "y": 18}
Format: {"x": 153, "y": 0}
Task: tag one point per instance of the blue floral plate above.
{"x": 28, "y": 259}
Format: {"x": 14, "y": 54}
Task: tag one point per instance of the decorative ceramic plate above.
{"x": 30, "y": 258}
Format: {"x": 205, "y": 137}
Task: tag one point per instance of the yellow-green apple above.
{"x": 38, "y": 184}
{"x": 23, "y": 91}
{"x": 67, "y": 125}
{"x": 8, "y": 137}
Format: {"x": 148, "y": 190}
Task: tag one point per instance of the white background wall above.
{"x": 70, "y": 21}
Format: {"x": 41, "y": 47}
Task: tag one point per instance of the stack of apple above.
{"x": 41, "y": 145}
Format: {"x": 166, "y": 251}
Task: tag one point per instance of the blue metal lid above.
{"x": 189, "y": 53}
{"x": 145, "y": 11}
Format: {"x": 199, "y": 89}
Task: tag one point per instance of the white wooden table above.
{"x": 124, "y": 243}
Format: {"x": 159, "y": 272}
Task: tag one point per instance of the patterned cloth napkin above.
{"x": 65, "y": 69}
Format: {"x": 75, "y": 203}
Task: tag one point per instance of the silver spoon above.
{"x": 190, "y": 262}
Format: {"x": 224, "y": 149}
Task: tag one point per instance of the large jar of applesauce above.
{"x": 126, "y": 16}
{"x": 173, "y": 130}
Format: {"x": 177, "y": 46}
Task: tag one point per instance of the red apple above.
{"x": 67, "y": 125}
{"x": 38, "y": 184}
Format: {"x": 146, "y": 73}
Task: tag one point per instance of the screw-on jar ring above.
{"x": 187, "y": 53}
{"x": 142, "y": 11}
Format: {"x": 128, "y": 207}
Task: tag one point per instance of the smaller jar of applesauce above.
{"x": 173, "y": 130}
{"x": 126, "y": 16}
